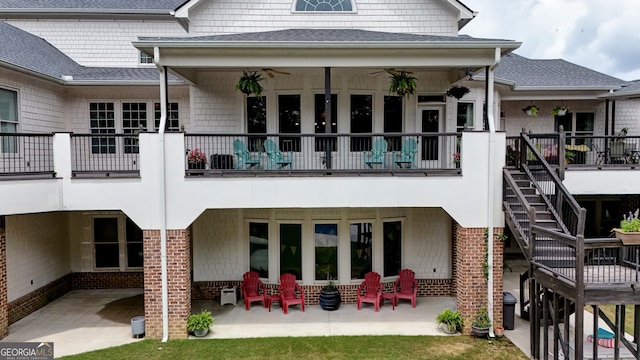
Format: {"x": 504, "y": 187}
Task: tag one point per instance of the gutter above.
{"x": 490, "y": 180}
{"x": 163, "y": 196}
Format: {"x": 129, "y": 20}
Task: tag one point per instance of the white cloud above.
{"x": 603, "y": 36}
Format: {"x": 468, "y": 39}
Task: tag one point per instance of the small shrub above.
{"x": 200, "y": 321}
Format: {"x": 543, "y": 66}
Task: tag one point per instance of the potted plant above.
{"x": 498, "y": 331}
{"x": 569, "y": 157}
{"x": 629, "y": 231}
{"x": 199, "y": 324}
{"x": 560, "y": 110}
{"x": 457, "y": 91}
{"x": 196, "y": 159}
{"x": 249, "y": 83}
{"x": 452, "y": 320}
{"x": 481, "y": 323}
{"x": 402, "y": 82}
{"x": 531, "y": 110}
{"x": 330, "y": 296}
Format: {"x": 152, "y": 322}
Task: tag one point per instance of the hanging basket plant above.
{"x": 560, "y": 110}
{"x": 531, "y": 110}
{"x": 402, "y": 82}
{"x": 457, "y": 91}
{"x": 249, "y": 83}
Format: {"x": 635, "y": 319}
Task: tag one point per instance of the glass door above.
{"x": 430, "y": 123}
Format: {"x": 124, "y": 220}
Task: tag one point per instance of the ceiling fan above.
{"x": 270, "y": 72}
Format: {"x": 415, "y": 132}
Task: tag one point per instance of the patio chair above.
{"x": 370, "y": 291}
{"x": 405, "y": 287}
{"x": 276, "y": 159}
{"x": 287, "y": 290}
{"x": 600, "y": 154}
{"x": 377, "y": 154}
{"x": 617, "y": 153}
{"x": 406, "y": 156}
{"x": 253, "y": 289}
{"x": 245, "y": 161}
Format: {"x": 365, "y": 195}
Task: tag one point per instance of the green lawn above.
{"x": 610, "y": 310}
{"x": 301, "y": 348}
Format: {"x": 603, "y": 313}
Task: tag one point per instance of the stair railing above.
{"x": 520, "y": 214}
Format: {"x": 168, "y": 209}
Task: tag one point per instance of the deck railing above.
{"x": 104, "y": 155}
{"x": 255, "y": 154}
{"x": 26, "y": 154}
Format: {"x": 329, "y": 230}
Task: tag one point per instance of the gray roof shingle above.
{"x": 532, "y": 73}
{"x": 93, "y": 4}
{"x": 31, "y": 53}
{"x": 323, "y": 35}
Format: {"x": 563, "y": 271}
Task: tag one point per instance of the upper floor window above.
{"x": 145, "y": 58}
{"x": 324, "y": 5}
{"x": 173, "y": 117}
{"x": 102, "y": 121}
{"x": 8, "y": 119}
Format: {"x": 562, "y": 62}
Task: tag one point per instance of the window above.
{"x": 326, "y": 244}
{"x": 576, "y": 124}
{"x": 360, "y": 235}
{"x": 256, "y": 121}
{"x": 259, "y": 248}
{"x": 102, "y": 121}
{"x": 134, "y": 120}
{"x": 173, "y": 117}
{"x": 145, "y": 58}
{"x": 393, "y": 121}
{"x": 320, "y": 122}
{"x": 8, "y": 120}
{"x": 464, "y": 116}
{"x": 291, "y": 249}
{"x": 361, "y": 121}
{"x": 323, "y": 5}
{"x": 109, "y": 241}
{"x": 289, "y": 121}
{"x": 392, "y": 237}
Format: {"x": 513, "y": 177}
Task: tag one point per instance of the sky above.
{"x": 603, "y": 35}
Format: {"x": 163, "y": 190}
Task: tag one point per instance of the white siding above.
{"x": 236, "y": 16}
{"x": 37, "y": 252}
{"x": 98, "y": 42}
{"x": 221, "y": 249}
{"x": 41, "y": 104}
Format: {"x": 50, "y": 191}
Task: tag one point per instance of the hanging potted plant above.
{"x": 629, "y": 231}
{"x": 559, "y": 110}
{"x": 531, "y": 110}
{"x": 457, "y": 91}
{"x": 402, "y": 82}
{"x": 249, "y": 83}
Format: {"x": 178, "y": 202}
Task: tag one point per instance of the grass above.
{"x": 302, "y": 348}
{"x": 610, "y": 310}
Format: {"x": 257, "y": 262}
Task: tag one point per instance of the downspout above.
{"x": 490, "y": 180}
{"x": 163, "y": 195}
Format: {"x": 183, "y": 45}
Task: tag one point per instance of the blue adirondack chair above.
{"x": 276, "y": 159}
{"x": 405, "y": 158}
{"x": 245, "y": 161}
{"x": 377, "y": 154}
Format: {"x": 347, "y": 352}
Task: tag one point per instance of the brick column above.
{"x": 498, "y": 271}
{"x": 4, "y": 308}
{"x": 179, "y": 283}
{"x": 471, "y": 287}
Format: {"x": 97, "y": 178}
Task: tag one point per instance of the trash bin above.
{"x": 508, "y": 310}
{"x": 137, "y": 326}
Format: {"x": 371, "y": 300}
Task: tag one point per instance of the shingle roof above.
{"x": 532, "y": 73}
{"x": 93, "y": 4}
{"x": 324, "y": 35}
{"x": 28, "y": 52}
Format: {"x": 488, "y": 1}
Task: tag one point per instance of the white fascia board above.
{"x": 566, "y": 88}
{"x": 119, "y": 82}
{"x": 183, "y": 10}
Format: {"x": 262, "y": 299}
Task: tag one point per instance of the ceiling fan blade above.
{"x": 275, "y": 71}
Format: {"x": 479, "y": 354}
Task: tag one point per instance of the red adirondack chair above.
{"x": 287, "y": 290}
{"x": 253, "y": 289}
{"x": 405, "y": 287}
{"x": 372, "y": 290}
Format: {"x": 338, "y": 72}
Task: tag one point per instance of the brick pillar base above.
{"x": 470, "y": 284}
{"x": 4, "y": 308}
{"x": 178, "y": 280}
